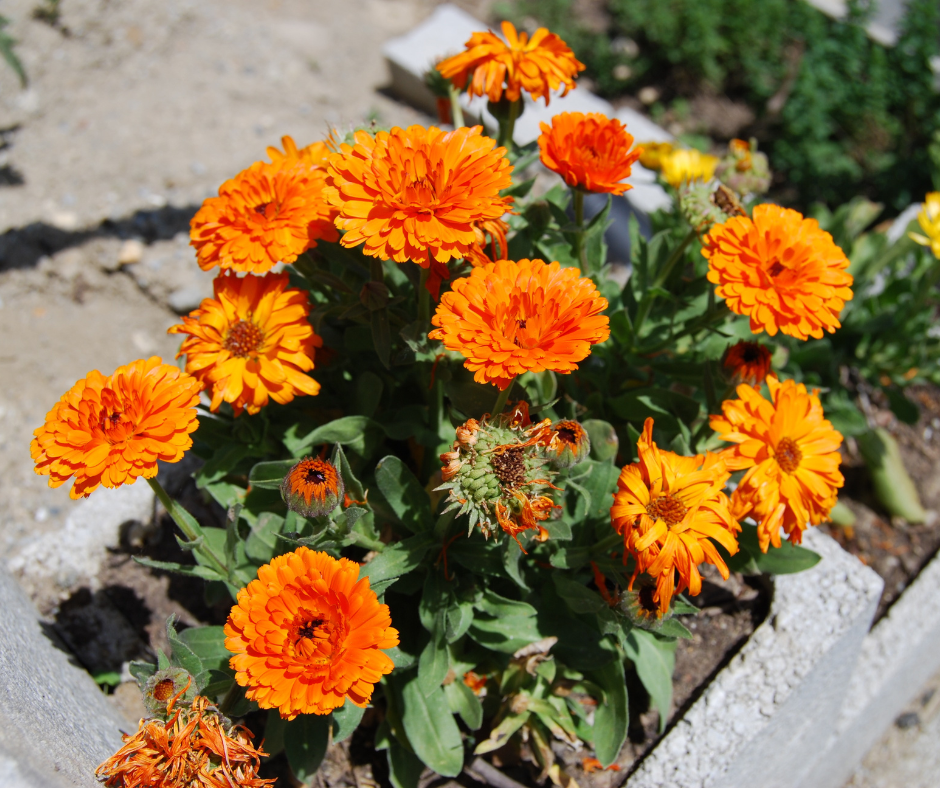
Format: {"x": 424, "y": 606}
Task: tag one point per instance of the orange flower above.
{"x": 591, "y": 152}
{"x": 417, "y": 194}
{"x": 307, "y": 635}
{"x": 110, "y": 430}
{"x": 196, "y": 748}
{"x": 499, "y": 246}
{"x": 312, "y": 488}
{"x": 792, "y": 453}
{"x": 251, "y": 342}
{"x": 538, "y": 65}
{"x": 266, "y": 214}
{"x": 668, "y": 508}
{"x": 781, "y": 270}
{"x": 747, "y": 362}
{"x": 511, "y": 317}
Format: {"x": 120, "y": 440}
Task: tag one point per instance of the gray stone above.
{"x": 55, "y": 724}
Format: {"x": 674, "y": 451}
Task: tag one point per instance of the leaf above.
{"x": 402, "y": 659}
{"x": 495, "y": 605}
{"x": 345, "y": 720}
{"x": 601, "y": 484}
{"x": 202, "y": 572}
{"x": 506, "y": 634}
{"x": 459, "y": 618}
{"x": 612, "y": 717}
{"x": 382, "y": 336}
{"x": 208, "y": 644}
{"x": 672, "y": 627}
{"x": 354, "y": 488}
{"x": 404, "y": 494}
{"x": 579, "y": 598}
{"x": 269, "y": 475}
{"x": 397, "y": 559}
{"x": 654, "y": 660}
{"x": 604, "y": 440}
{"x": 349, "y": 431}
{"x": 431, "y": 728}
{"x": 463, "y": 701}
{"x": 404, "y": 767}
{"x": 261, "y": 544}
{"x": 183, "y": 655}
{"x": 141, "y": 671}
{"x": 901, "y": 406}
{"x": 434, "y": 661}
{"x": 221, "y": 464}
{"x": 784, "y": 560}
{"x": 305, "y": 741}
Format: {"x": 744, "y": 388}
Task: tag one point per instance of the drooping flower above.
{"x": 929, "y": 220}
{"x": 747, "y": 362}
{"x": 496, "y": 470}
{"x": 687, "y": 164}
{"x": 196, "y": 748}
{"x": 591, "y": 152}
{"x": 669, "y": 508}
{"x": 792, "y": 455}
{"x": 781, "y": 270}
{"x": 652, "y": 153}
{"x": 495, "y": 68}
{"x": 569, "y": 444}
{"x": 313, "y": 487}
{"x": 111, "y": 430}
{"x": 510, "y": 317}
{"x": 251, "y": 343}
{"x": 268, "y": 213}
{"x": 307, "y": 635}
{"x": 498, "y": 245}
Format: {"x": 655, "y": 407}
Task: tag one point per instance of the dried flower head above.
{"x": 747, "y": 362}
{"x": 508, "y": 317}
{"x": 744, "y": 169}
{"x": 495, "y": 471}
{"x": 706, "y": 204}
{"x": 591, "y": 152}
{"x": 792, "y": 455}
{"x": 111, "y": 430}
{"x": 312, "y": 488}
{"x": 166, "y": 687}
{"x": 687, "y": 164}
{"x": 307, "y": 635}
{"x": 497, "y": 68}
{"x": 929, "y": 220}
{"x": 569, "y": 444}
{"x": 781, "y": 270}
{"x": 250, "y": 343}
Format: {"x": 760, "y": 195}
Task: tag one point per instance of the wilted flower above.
{"x": 929, "y": 220}
{"x": 687, "y": 164}
{"x": 706, "y": 204}
{"x": 166, "y": 687}
{"x": 568, "y": 445}
{"x": 744, "y": 169}
{"x": 312, "y": 488}
{"x": 747, "y": 362}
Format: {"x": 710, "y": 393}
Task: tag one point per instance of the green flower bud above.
{"x": 569, "y": 444}
{"x": 312, "y": 488}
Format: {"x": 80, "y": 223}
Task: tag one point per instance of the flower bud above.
{"x": 312, "y": 488}
{"x": 707, "y": 204}
{"x": 743, "y": 169}
{"x": 166, "y": 684}
{"x": 569, "y": 444}
{"x": 747, "y": 362}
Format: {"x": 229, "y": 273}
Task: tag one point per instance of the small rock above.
{"x": 64, "y": 220}
{"x": 907, "y": 720}
{"x": 132, "y": 250}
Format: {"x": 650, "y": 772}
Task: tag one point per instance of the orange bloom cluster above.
{"x": 307, "y": 635}
{"x": 495, "y": 68}
{"x": 747, "y": 362}
{"x": 668, "y": 508}
{"x": 792, "y": 453}
{"x": 251, "y": 343}
{"x": 111, "y": 430}
{"x": 591, "y": 152}
{"x": 781, "y": 270}
{"x": 196, "y": 748}
{"x": 266, "y": 214}
{"x": 512, "y": 317}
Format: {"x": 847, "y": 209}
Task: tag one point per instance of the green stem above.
{"x": 377, "y": 269}
{"x": 507, "y": 127}
{"x": 502, "y": 399}
{"x": 646, "y": 304}
{"x": 424, "y": 298}
{"x": 229, "y": 700}
{"x": 577, "y": 198}
{"x": 456, "y": 110}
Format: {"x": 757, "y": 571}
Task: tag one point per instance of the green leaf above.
{"x": 221, "y": 464}
{"x": 464, "y": 702}
{"x": 784, "y": 560}
{"x": 665, "y": 406}
{"x": 208, "y": 644}
{"x": 261, "y": 544}
{"x": 506, "y": 634}
{"x": 305, "y": 741}
{"x": 434, "y": 661}
{"x": 612, "y": 717}
{"x": 404, "y": 494}
{"x": 893, "y": 487}
{"x": 349, "y": 431}
{"x": 382, "y": 336}
{"x": 459, "y": 618}
{"x": 142, "y": 671}
{"x": 495, "y": 605}
{"x": 431, "y": 728}
{"x": 672, "y": 627}
{"x": 274, "y": 733}
{"x": 404, "y": 767}
{"x": 269, "y": 475}
{"x": 604, "y": 440}
{"x": 183, "y": 655}
{"x": 215, "y": 684}
{"x": 655, "y": 660}
{"x": 398, "y": 559}
{"x": 601, "y": 484}
{"x": 402, "y": 659}
{"x": 354, "y": 488}
{"x": 345, "y": 720}
{"x": 202, "y": 572}
{"x": 579, "y": 598}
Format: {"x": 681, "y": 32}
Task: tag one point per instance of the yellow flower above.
{"x": 929, "y": 220}
{"x": 683, "y": 165}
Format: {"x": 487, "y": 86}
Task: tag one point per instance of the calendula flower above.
{"x": 312, "y": 488}
{"x": 744, "y": 169}
{"x": 497, "y": 68}
{"x": 250, "y": 343}
{"x": 929, "y": 220}
{"x": 792, "y": 455}
{"x": 569, "y": 444}
{"x": 781, "y": 270}
{"x": 669, "y": 508}
{"x": 591, "y": 152}
{"x": 687, "y": 164}
{"x": 652, "y": 153}
{"x": 196, "y": 748}
{"x": 498, "y": 245}
{"x": 747, "y": 362}
{"x": 267, "y": 214}
{"x": 111, "y": 430}
{"x": 308, "y": 635}
{"x": 495, "y": 470}
{"x": 509, "y": 317}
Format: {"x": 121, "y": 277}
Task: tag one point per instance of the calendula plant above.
{"x": 464, "y": 475}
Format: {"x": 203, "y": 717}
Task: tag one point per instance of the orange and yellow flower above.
{"x": 251, "y": 343}
{"x": 747, "y": 362}
{"x": 781, "y": 270}
{"x": 669, "y": 508}
{"x": 509, "y": 317}
{"x": 792, "y": 455}
{"x": 929, "y": 220}
{"x": 652, "y": 154}
{"x": 308, "y": 635}
{"x": 499, "y": 246}
{"x": 495, "y": 68}
{"x": 591, "y": 152}
{"x": 111, "y": 430}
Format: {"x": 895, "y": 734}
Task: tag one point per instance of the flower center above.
{"x": 163, "y": 690}
{"x": 667, "y": 508}
{"x": 116, "y": 426}
{"x": 243, "y": 339}
{"x": 647, "y": 602}
{"x": 315, "y": 476}
{"x": 509, "y": 466}
{"x": 776, "y": 268}
{"x": 523, "y": 337}
{"x": 567, "y": 435}
{"x": 317, "y": 636}
{"x": 788, "y": 455}
{"x": 751, "y": 354}
{"x": 309, "y": 629}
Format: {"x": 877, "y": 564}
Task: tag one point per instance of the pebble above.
{"x": 132, "y": 250}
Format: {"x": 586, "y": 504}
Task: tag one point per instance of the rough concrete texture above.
{"x": 55, "y": 725}
{"x": 767, "y": 716}
{"x": 897, "y": 658}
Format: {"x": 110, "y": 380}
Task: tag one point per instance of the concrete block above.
{"x": 766, "y": 719}
{"x": 56, "y": 726}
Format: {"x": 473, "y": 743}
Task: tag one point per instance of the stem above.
{"x": 579, "y": 251}
{"x": 229, "y": 700}
{"x": 507, "y": 127}
{"x": 456, "y": 110}
{"x": 647, "y": 303}
{"x": 502, "y": 399}
{"x": 424, "y": 298}
{"x": 377, "y": 269}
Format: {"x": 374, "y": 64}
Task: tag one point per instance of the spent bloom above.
{"x": 495, "y": 68}
{"x": 307, "y": 635}
{"x": 111, "y": 430}
{"x": 509, "y": 317}
{"x": 569, "y": 444}
{"x": 706, "y": 204}
{"x": 591, "y": 152}
{"x": 687, "y": 164}
{"x": 781, "y": 270}
{"x": 791, "y": 453}
{"x": 250, "y": 343}
{"x": 744, "y": 169}
{"x": 929, "y": 220}
{"x": 747, "y": 362}
{"x": 312, "y": 488}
